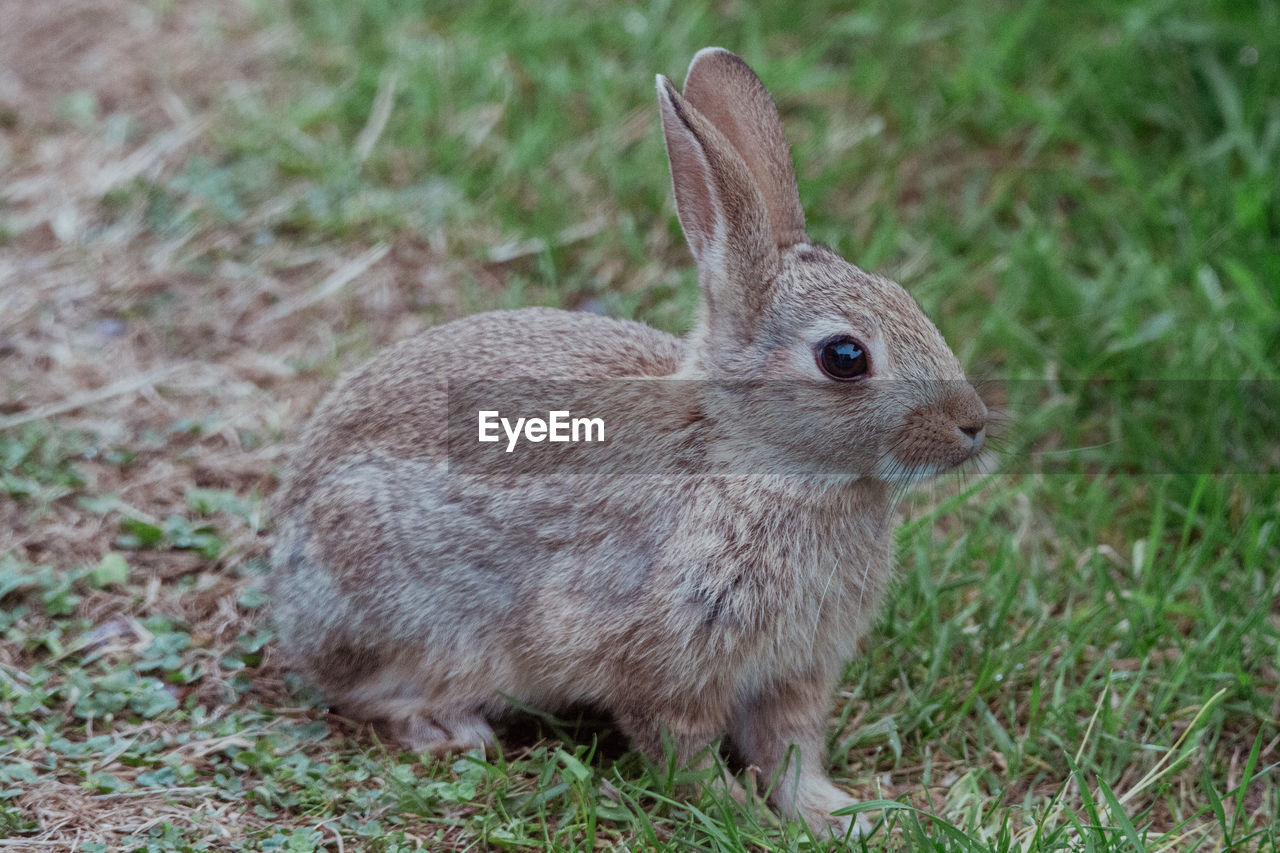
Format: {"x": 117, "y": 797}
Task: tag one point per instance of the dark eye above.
{"x": 842, "y": 358}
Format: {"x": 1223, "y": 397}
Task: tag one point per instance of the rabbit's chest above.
{"x": 768, "y": 597}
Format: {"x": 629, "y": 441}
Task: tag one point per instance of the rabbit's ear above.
{"x": 729, "y": 94}
{"x": 721, "y": 211}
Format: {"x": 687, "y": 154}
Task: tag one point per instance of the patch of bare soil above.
{"x": 110, "y": 327}
{"x": 95, "y": 94}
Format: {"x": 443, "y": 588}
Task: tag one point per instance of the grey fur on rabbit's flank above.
{"x": 701, "y": 606}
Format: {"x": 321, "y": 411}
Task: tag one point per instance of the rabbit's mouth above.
{"x": 890, "y": 469}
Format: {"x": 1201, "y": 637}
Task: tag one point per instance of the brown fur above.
{"x": 690, "y": 606}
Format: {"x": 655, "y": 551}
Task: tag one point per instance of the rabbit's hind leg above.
{"x": 419, "y": 707}
{"x": 440, "y": 733}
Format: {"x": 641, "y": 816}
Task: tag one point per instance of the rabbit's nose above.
{"x": 970, "y": 415}
{"x": 976, "y": 435}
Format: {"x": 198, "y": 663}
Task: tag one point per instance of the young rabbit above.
{"x": 690, "y": 606}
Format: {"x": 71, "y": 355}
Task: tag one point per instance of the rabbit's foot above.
{"x": 440, "y": 735}
{"x": 818, "y": 799}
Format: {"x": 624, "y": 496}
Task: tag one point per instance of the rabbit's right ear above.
{"x": 729, "y": 94}
{"x": 722, "y": 212}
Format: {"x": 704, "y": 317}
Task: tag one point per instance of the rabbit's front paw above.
{"x": 817, "y": 804}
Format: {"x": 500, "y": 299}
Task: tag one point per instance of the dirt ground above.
{"x": 109, "y": 326}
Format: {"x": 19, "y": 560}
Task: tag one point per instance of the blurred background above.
{"x": 211, "y": 208}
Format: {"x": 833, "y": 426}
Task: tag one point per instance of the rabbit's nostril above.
{"x": 972, "y": 430}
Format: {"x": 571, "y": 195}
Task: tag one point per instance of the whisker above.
{"x": 818, "y": 615}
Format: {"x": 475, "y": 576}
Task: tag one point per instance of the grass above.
{"x": 1082, "y": 651}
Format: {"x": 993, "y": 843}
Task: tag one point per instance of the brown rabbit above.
{"x": 689, "y": 606}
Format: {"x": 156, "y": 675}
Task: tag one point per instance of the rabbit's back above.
{"x": 396, "y": 405}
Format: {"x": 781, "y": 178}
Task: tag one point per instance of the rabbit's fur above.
{"x": 701, "y": 606}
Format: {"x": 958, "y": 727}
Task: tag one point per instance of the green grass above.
{"x": 1082, "y": 191}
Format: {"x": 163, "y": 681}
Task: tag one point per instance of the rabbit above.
{"x": 689, "y": 607}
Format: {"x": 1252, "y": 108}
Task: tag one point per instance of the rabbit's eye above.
{"x": 842, "y": 358}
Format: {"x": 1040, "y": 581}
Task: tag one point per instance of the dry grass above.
{"x": 81, "y": 336}
{"x": 80, "y": 340}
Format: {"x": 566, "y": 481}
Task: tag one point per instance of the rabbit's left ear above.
{"x": 728, "y": 93}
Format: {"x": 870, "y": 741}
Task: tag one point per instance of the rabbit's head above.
{"x": 853, "y": 378}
